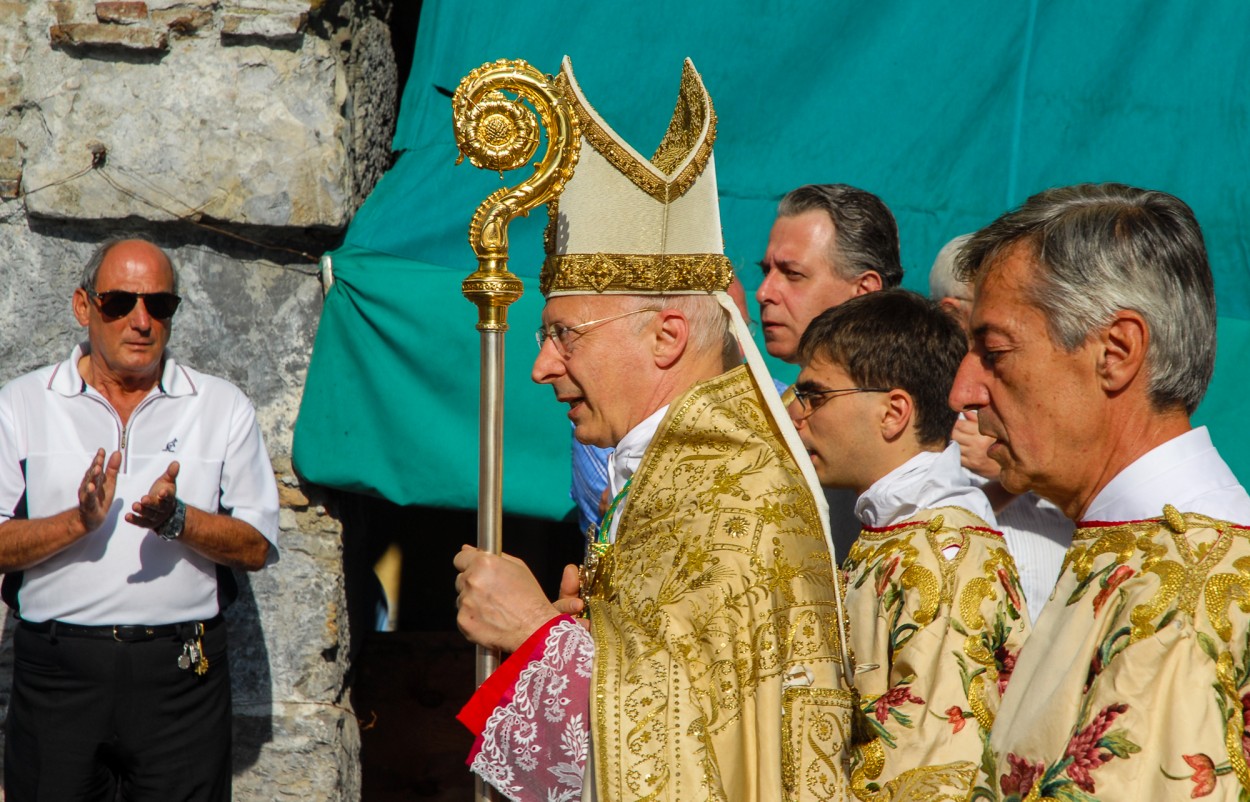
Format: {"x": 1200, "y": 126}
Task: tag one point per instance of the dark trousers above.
{"x": 91, "y": 717}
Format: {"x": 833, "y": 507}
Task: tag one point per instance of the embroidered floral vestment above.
{"x": 1135, "y": 682}
{"x": 937, "y": 619}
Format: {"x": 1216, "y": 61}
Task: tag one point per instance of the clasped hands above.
{"x": 99, "y": 483}
{"x": 500, "y": 603}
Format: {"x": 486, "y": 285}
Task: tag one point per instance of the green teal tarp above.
{"x": 952, "y": 113}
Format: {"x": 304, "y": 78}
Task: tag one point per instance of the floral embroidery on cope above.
{"x": 1071, "y": 777}
{"x": 949, "y": 577}
{"x": 1149, "y": 598}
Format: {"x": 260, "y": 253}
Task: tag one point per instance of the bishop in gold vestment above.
{"x": 716, "y": 643}
{"x": 714, "y": 665}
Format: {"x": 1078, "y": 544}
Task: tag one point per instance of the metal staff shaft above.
{"x": 490, "y": 480}
{"x": 490, "y": 490}
{"x": 490, "y": 467}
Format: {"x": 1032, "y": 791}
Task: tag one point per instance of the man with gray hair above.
{"x": 1093, "y": 341}
{"x": 953, "y": 295}
{"x": 129, "y": 485}
{"x": 829, "y": 243}
{"x": 714, "y": 665}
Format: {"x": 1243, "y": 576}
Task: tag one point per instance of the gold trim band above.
{"x": 638, "y": 274}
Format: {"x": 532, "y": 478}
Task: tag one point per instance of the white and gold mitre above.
{"x": 630, "y": 225}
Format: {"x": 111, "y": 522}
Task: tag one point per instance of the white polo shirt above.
{"x": 52, "y": 423}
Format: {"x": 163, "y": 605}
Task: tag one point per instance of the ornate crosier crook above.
{"x": 500, "y": 133}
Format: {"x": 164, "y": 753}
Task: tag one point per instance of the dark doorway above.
{"x": 408, "y": 684}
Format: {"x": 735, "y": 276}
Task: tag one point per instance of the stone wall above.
{"x": 240, "y": 135}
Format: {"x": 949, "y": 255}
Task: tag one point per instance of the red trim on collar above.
{"x": 1097, "y": 524}
{"x": 1103, "y": 524}
{"x": 915, "y": 523}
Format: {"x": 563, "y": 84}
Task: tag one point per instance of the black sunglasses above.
{"x": 118, "y": 303}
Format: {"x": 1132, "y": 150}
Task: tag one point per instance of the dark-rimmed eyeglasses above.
{"x": 562, "y": 336}
{"x": 812, "y": 400}
{"x": 118, "y": 303}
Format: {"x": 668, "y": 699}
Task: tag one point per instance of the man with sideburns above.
{"x": 1093, "y": 341}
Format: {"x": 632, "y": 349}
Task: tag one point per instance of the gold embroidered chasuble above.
{"x": 1135, "y": 683}
{"x": 716, "y": 656}
{"x": 937, "y": 616}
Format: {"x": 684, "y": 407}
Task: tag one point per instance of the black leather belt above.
{"x": 127, "y": 633}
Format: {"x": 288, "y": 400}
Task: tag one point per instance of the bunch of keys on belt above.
{"x": 193, "y": 653}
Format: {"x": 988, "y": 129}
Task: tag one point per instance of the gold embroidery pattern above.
{"x": 684, "y": 135}
{"x": 816, "y": 724}
{"x": 709, "y": 619}
{"x": 1165, "y": 572}
{"x": 1119, "y": 541}
{"x": 868, "y": 764}
{"x": 976, "y": 591}
{"x": 1222, "y": 590}
{"x": 634, "y": 273}
{"x": 933, "y": 696}
{"x": 1183, "y": 552}
{"x": 950, "y": 782}
{"x": 977, "y": 701}
{"x": 923, "y": 581}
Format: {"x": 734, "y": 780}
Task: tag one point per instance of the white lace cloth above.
{"x": 534, "y": 745}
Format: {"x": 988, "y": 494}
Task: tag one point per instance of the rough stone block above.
{"x": 274, "y": 27}
{"x": 287, "y": 496}
{"x": 63, "y": 10}
{"x": 10, "y": 91}
{"x": 123, "y": 12}
{"x": 12, "y": 13}
{"x": 115, "y": 37}
{"x": 211, "y": 118}
{"x": 183, "y": 21}
{"x": 8, "y": 152}
{"x": 167, "y": 5}
{"x": 11, "y": 188}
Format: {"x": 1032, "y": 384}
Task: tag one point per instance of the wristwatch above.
{"x": 175, "y": 523}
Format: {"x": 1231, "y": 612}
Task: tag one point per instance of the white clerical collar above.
{"x": 628, "y": 453}
{"x": 928, "y": 480}
{"x": 1186, "y": 472}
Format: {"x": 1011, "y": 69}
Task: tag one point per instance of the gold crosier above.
{"x": 501, "y": 133}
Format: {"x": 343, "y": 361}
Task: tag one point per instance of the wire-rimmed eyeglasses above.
{"x": 812, "y": 400}
{"x": 562, "y": 336}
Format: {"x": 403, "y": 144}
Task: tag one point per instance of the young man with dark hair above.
{"x": 933, "y": 597}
